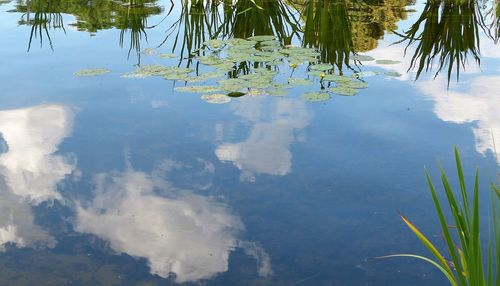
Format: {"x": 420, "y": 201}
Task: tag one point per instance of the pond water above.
{"x": 114, "y": 170}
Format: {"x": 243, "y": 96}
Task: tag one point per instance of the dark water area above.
{"x": 124, "y": 162}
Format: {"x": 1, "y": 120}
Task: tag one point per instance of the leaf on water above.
{"x": 299, "y": 81}
{"x": 342, "y": 90}
{"x": 336, "y": 78}
{"x": 276, "y": 92}
{"x": 393, "y": 73}
{"x": 167, "y": 55}
{"x": 362, "y": 58}
{"x": 236, "y": 94}
{"x": 149, "y": 51}
{"x": 321, "y": 67}
{"x": 198, "y": 89}
{"x": 270, "y": 43}
{"x": 319, "y": 74}
{"x": 262, "y": 38}
{"x": 356, "y": 84}
{"x": 92, "y": 72}
{"x": 214, "y": 43}
{"x": 315, "y": 96}
{"x": 241, "y": 42}
{"x": 387, "y": 62}
{"x": 217, "y": 98}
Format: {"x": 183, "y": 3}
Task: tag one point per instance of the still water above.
{"x": 124, "y": 179}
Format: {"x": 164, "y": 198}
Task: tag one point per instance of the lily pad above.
{"x": 214, "y": 43}
{"x": 387, "y": 62}
{"x": 316, "y": 96}
{"x": 276, "y": 92}
{"x": 92, "y": 72}
{"x": 167, "y": 55}
{"x": 336, "y": 78}
{"x": 342, "y": 90}
{"x": 321, "y": 67}
{"x": 217, "y": 98}
{"x": 393, "y": 73}
{"x": 262, "y": 38}
{"x": 198, "y": 88}
{"x": 362, "y": 58}
{"x": 299, "y": 81}
{"x": 356, "y": 84}
{"x": 236, "y": 94}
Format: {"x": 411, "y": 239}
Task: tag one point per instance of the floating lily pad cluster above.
{"x": 239, "y": 67}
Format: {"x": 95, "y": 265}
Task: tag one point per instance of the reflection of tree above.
{"x": 341, "y": 27}
{"x": 446, "y": 32}
{"x": 91, "y": 16}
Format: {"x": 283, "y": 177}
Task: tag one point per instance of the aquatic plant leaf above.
{"x": 236, "y": 94}
{"x": 321, "y": 67}
{"x": 299, "y": 81}
{"x": 167, "y": 55}
{"x": 342, "y": 90}
{"x": 262, "y": 38}
{"x": 241, "y": 42}
{"x": 336, "y": 78}
{"x": 217, "y": 98}
{"x": 393, "y": 73}
{"x": 198, "y": 88}
{"x": 387, "y": 62}
{"x": 92, "y": 72}
{"x": 319, "y": 74}
{"x": 356, "y": 84}
{"x": 276, "y": 92}
{"x": 149, "y": 51}
{"x": 270, "y": 43}
{"x": 214, "y": 43}
{"x": 362, "y": 58}
{"x": 210, "y": 60}
{"x": 315, "y": 96}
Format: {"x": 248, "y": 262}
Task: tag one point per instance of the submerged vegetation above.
{"x": 469, "y": 260}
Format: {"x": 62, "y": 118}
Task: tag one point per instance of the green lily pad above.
{"x": 167, "y": 55}
{"x": 241, "y": 42}
{"x": 236, "y": 94}
{"x": 393, "y": 73}
{"x": 214, "y": 43}
{"x": 299, "y": 81}
{"x": 217, "y": 98}
{"x": 198, "y": 88}
{"x": 337, "y": 78}
{"x": 262, "y": 38}
{"x": 356, "y": 84}
{"x": 319, "y": 74}
{"x": 276, "y": 92}
{"x": 149, "y": 51}
{"x": 387, "y": 62}
{"x": 321, "y": 67}
{"x": 92, "y": 72}
{"x": 362, "y": 58}
{"x": 316, "y": 96}
{"x": 342, "y": 90}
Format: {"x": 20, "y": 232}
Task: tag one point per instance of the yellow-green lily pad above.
{"x": 217, "y": 98}
{"x": 387, "y": 62}
{"x": 343, "y": 90}
{"x": 91, "y": 72}
{"x": 315, "y": 96}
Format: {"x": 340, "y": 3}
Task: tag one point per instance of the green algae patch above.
{"x": 315, "y": 96}
{"x": 92, "y": 72}
{"x": 216, "y": 98}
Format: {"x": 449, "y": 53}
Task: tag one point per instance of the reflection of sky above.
{"x": 477, "y": 104}
{"x": 29, "y": 169}
{"x": 267, "y": 149}
{"x": 185, "y": 234}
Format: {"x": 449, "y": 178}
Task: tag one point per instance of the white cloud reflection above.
{"x": 182, "y": 233}
{"x": 29, "y": 170}
{"x": 267, "y": 149}
{"x": 478, "y": 105}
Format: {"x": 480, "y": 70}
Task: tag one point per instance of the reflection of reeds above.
{"x": 446, "y": 32}
{"x": 328, "y": 29}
